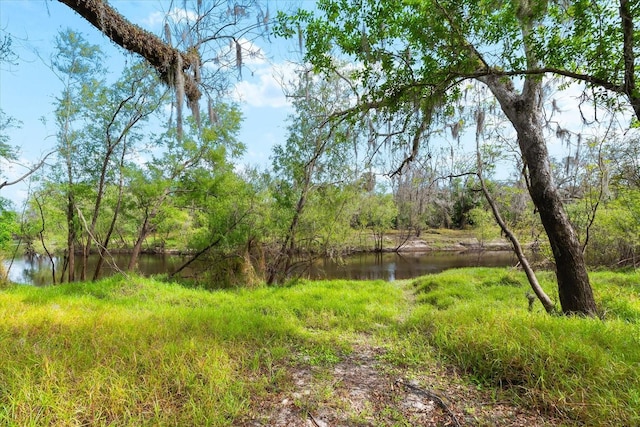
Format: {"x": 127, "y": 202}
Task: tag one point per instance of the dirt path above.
{"x": 364, "y": 389}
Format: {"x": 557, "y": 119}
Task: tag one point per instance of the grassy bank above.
{"x": 143, "y": 352}
{"x": 149, "y": 353}
{"x": 586, "y": 370}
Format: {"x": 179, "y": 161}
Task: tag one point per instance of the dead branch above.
{"x": 431, "y": 396}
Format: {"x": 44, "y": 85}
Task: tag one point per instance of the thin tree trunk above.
{"x": 145, "y": 231}
{"x": 71, "y": 237}
{"x": 84, "y": 260}
{"x": 285, "y": 254}
{"x": 44, "y": 246}
{"x": 105, "y": 244}
{"x": 525, "y": 113}
{"x": 517, "y": 248}
{"x": 96, "y": 209}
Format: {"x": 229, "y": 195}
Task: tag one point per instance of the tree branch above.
{"x": 30, "y": 172}
{"x": 628, "y": 56}
{"x": 131, "y": 37}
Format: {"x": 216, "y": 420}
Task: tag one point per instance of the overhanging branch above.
{"x": 131, "y": 37}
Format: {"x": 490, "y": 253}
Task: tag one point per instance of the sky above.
{"x": 28, "y": 88}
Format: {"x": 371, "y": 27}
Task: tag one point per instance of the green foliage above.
{"x": 614, "y": 236}
{"x": 314, "y": 175}
{"x": 7, "y": 152}
{"x": 465, "y": 199}
{"x": 377, "y": 213}
{"x": 8, "y": 227}
{"x": 483, "y": 224}
{"x": 584, "y": 366}
{"x": 8, "y": 224}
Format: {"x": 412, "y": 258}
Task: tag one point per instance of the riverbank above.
{"x": 460, "y": 345}
{"x": 402, "y": 257}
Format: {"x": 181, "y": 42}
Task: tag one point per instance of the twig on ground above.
{"x": 313, "y": 420}
{"x": 431, "y": 395}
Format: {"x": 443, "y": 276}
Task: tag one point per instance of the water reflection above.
{"x": 392, "y": 266}
{"x": 37, "y": 270}
{"x": 385, "y": 266}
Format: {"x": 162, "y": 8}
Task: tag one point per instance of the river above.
{"x": 385, "y": 266}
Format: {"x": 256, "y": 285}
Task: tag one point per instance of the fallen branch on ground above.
{"x": 432, "y": 396}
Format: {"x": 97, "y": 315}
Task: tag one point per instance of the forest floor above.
{"x": 368, "y": 386}
{"x": 362, "y": 390}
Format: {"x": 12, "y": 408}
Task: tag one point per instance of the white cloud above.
{"x": 177, "y": 16}
{"x": 263, "y": 88}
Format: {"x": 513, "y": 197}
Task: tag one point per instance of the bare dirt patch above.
{"x": 362, "y": 389}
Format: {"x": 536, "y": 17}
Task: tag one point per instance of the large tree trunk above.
{"x": 524, "y": 110}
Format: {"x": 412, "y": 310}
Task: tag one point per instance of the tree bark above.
{"x": 283, "y": 260}
{"x": 145, "y": 231}
{"x": 515, "y": 243}
{"x": 103, "y": 249}
{"x": 159, "y": 54}
{"x": 524, "y": 110}
{"x": 71, "y": 237}
{"x": 628, "y": 56}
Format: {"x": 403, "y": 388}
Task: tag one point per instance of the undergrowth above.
{"x": 582, "y": 369}
{"x": 135, "y": 351}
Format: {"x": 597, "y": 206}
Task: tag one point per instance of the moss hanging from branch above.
{"x": 178, "y": 85}
{"x": 171, "y": 64}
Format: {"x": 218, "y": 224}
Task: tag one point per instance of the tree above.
{"x": 316, "y": 156}
{"x": 377, "y": 213}
{"x": 413, "y": 57}
{"x": 190, "y": 168}
{"x": 218, "y": 27}
{"x": 78, "y": 65}
{"x": 8, "y": 226}
{"x": 113, "y": 115}
{"x": 415, "y": 192}
{"x": 7, "y": 152}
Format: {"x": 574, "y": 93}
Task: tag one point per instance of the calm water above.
{"x": 392, "y": 266}
{"x": 386, "y": 266}
{"x": 37, "y": 270}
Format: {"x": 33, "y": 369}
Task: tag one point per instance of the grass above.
{"x": 144, "y": 352}
{"x": 586, "y": 370}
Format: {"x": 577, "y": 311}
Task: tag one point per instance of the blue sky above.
{"x": 28, "y": 89}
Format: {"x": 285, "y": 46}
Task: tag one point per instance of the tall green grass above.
{"x": 142, "y": 352}
{"x": 583, "y": 369}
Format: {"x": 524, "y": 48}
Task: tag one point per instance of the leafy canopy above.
{"x": 417, "y": 50}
